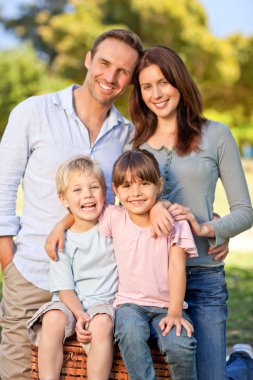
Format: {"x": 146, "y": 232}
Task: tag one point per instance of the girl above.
{"x": 150, "y": 299}
{"x": 193, "y": 152}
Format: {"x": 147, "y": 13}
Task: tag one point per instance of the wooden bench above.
{"x": 74, "y": 365}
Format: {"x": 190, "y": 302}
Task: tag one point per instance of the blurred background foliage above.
{"x": 56, "y": 34}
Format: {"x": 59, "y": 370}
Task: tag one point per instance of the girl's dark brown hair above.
{"x": 189, "y": 115}
{"x": 140, "y": 163}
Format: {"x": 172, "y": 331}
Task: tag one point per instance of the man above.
{"x": 42, "y": 132}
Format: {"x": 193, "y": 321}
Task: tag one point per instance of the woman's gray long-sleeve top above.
{"x": 191, "y": 181}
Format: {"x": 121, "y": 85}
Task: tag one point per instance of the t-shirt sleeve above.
{"x": 61, "y": 273}
{"x": 181, "y": 236}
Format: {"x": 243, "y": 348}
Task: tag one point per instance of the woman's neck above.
{"x": 165, "y": 135}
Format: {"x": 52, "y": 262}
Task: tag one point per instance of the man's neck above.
{"x": 89, "y": 111}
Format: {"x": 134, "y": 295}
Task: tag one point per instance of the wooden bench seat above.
{"x": 74, "y": 365}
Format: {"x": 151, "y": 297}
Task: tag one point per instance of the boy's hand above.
{"x": 167, "y": 323}
{"x": 82, "y": 325}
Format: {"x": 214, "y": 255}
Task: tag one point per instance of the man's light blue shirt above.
{"x": 42, "y": 132}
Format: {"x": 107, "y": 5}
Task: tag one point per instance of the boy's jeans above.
{"x": 206, "y": 295}
{"x": 135, "y": 325}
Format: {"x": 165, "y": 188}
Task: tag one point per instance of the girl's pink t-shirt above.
{"x": 142, "y": 260}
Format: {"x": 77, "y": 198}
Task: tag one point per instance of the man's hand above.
{"x": 6, "y": 250}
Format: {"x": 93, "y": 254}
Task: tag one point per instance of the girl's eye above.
{"x": 76, "y": 190}
{"x": 164, "y": 83}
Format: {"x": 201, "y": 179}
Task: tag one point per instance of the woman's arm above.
{"x": 56, "y": 237}
{"x": 177, "y": 285}
{"x": 235, "y": 185}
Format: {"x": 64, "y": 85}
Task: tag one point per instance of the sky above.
{"x": 225, "y": 17}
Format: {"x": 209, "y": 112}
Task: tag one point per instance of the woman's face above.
{"x": 158, "y": 94}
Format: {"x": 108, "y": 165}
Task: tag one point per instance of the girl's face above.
{"x": 138, "y": 196}
{"x": 158, "y": 94}
{"x": 85, "y": 198}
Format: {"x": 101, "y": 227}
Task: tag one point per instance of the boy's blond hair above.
{"x": 81, "y": 164}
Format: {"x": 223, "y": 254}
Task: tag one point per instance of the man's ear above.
{"x": 64, "y": 202}
{"x": 87, "y": 61}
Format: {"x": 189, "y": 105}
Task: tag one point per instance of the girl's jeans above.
{"x": 206, "y": 295}
{"x": 135, "y": 325}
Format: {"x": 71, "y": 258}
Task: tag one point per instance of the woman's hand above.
{"x": 161, "y": 219}
{"x": 220, "y": 252}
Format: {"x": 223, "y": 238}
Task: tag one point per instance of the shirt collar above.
{"x": 64, "y": 99}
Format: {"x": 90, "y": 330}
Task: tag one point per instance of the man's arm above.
{"x": 6, "y": 250}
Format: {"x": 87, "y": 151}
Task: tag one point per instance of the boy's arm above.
{"x": 177, "y": 285}
{"x": 70, "y": 299}
{"x": 160, "y": 218}
{"x": 56, "y": 237}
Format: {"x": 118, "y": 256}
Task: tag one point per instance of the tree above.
{"x": 22, "y": 75}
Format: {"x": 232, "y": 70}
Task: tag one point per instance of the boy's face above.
{"x": 85, "y": 198}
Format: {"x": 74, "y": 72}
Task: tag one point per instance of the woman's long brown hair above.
{"x": 189, "y": 113}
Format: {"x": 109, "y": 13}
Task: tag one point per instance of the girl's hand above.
{"x": 82, "y": 325}
{"x": 161, "y": 219}
{"x": 56, "y": 237}
{"x": 167, "y": 323}
{"x": 55, "y": 240}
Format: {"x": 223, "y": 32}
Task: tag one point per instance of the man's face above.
{"x": 110, "y": 70}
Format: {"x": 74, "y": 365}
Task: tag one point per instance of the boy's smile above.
{"x": 85, "y": 198}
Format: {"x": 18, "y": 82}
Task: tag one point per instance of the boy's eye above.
{"x": 144, "y": 183}
{"x": 125, "y": 185}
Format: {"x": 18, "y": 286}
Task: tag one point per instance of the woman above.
{"x": 193, "y": 152}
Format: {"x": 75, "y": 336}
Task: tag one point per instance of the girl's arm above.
{"x": 70, "y": 299}
{"x": 56, "y": 237}
{"x": 177, "y": 285}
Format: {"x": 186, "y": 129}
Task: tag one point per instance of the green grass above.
{"x": 239, "y": 274}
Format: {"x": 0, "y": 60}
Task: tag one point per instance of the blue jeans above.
{"x": 240, "y": 367}
{"x": 206, "y": 295}
{"x": 135, "y": 325}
